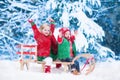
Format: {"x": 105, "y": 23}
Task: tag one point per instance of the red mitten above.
{"x": 60, "y": 39}
{"x": 51, "y": 20}
{"x": 30, "y": 20}
{"x": 72, "y": 38}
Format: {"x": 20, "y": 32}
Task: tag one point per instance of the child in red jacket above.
{"x": 45, "y": 42}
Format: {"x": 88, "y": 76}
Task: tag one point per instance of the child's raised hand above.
{"x": 30, "y": 20}
{"x": 75, "y": 32}
{"x": 51, "y": 20}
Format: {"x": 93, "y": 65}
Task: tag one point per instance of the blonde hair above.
{"x": 43, "y": 26}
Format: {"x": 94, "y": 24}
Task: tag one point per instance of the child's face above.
{"x": 46, "y": 30}
{"x": 67, "y": 34}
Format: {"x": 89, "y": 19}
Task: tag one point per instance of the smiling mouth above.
{"x": 46, "y": 33}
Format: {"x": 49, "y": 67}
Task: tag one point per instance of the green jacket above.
{"x": 64, "y": 49}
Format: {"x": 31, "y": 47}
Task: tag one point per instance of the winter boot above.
{"x": 58, "y": 65}
{"x": 75, "y": 72}
{"x": 47, "y": 69}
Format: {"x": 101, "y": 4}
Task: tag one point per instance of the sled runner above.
{"x": 89, "y": 61}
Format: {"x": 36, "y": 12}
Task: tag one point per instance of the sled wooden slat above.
{"x": 59, "y": 62}
{"x": 32, "y": 52}
{"x": 29, "y": 53}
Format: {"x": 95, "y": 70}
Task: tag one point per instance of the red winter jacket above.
{"x": 44, "y": 43}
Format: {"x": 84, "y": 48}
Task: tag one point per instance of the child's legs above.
{"x": 76, "y": 66}
{"x": 48, "y": 63}
{"x": 67, "y": 60}
{"x": 73, "y": 66}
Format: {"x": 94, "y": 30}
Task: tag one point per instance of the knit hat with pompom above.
{"x": 64, "y": 30}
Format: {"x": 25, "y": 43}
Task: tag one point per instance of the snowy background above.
{"x": 97, "y": 22}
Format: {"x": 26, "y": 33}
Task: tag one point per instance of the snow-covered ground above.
{"x": 9, "y": 70}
